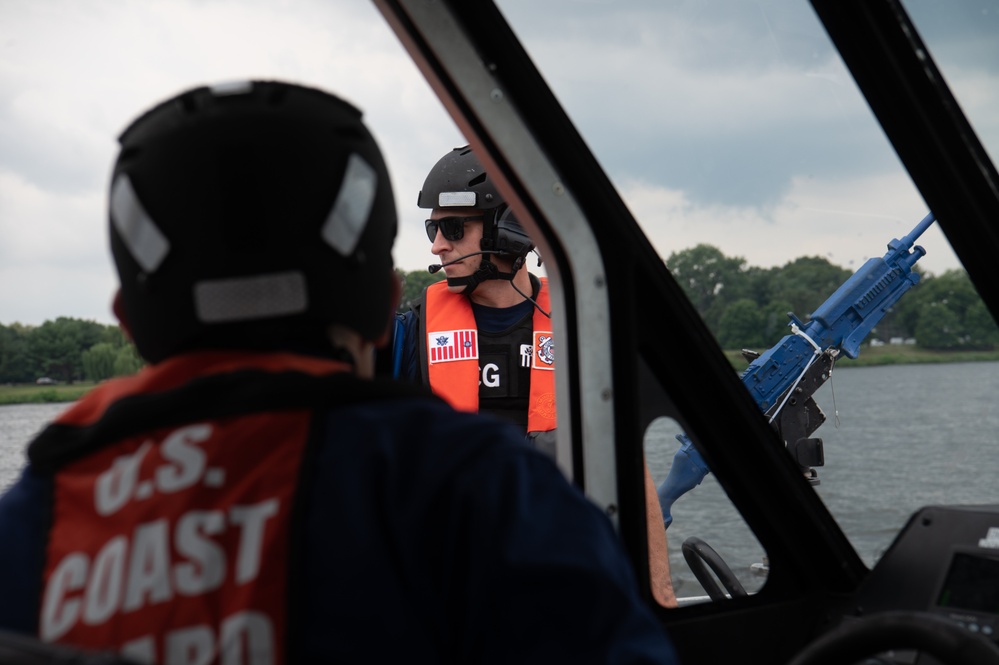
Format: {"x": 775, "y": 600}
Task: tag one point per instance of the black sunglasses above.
{"x": 452, "y": 228}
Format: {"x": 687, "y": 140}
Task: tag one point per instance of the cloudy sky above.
{"x": 728, "y": 122}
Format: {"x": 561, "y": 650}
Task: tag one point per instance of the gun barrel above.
{"x": 926, "y": 222}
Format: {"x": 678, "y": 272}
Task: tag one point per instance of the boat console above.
{"x": 944, "y": 562}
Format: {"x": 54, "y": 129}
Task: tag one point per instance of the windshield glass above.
{"x": 962, "y": 40}
{"x": 72, "y": 76}
{"x": 731, "y": 129}
{"x": 743, "y": 147}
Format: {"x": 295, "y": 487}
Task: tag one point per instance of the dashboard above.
{"x": 944, "y": 562}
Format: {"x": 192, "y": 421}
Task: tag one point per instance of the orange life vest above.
{"x": 167, "y": 542}
{"x": 453, "y": 355}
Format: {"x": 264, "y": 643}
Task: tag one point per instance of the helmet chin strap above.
{"x": 487, "y": 270}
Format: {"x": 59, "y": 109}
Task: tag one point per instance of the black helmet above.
{"x": 458, "y": 179}
{"x": 251, "y": 215}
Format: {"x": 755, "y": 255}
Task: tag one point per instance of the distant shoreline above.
{"x": 869, "y": 356}
{"x": 29, "y": 393}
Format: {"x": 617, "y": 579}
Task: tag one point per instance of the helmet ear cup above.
{"x": 490, "y": 229}
{"x": 510, "y": 238}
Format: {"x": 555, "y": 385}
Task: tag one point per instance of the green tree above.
{"x": 16, "y": 363}
{"x": 127, "y": 360}
{"x": 741, "y": 326}
{"x": 98, "y": 361}
{"x": 114, "y": 336}
{"x": 980, "y": 325}
{"x": 752, "y": 283}
{"x": 58, "y": 346}
{"x": 939, "y": 328}
{"x": 706, "y": 277}
{"x": 806, "y": 283}
{"x": 951, "y": 315}
{"x": 775, "y": 322}
{"x": 413, "y": 284}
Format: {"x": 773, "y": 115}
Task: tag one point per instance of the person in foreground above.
{"x": 254, "y": 494}
{"x": 482, "y": 339}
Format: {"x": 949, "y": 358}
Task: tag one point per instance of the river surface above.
{"x": 907, "y": 436}
{"x": 18, "y": 425}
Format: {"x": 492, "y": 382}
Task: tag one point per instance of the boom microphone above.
{"x": 434, "y": 268}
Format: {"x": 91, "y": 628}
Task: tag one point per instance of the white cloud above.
{"x": 53, "y": 257}
{"x": 731, "y": 122}
{"x": 73, "y": 75}
{"x": 846, "y": 224}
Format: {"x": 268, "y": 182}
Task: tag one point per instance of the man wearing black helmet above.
{"x": 482, "y": 340}
{"x": 254, "y": 494}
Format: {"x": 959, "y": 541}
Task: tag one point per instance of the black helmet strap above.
{"x": 487, "y": 269}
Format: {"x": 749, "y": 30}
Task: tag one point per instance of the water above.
{"x": 908, "y": 436}
{"x": 18, "y": 425}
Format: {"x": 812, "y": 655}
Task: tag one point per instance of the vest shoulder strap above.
{"x": 213, "y": 396}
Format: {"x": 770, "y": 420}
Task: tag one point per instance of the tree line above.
{"x": 743, "y": 306}
{"x": 746, "y": 306}
{"x": 66, "y": 350}
{"x": 69, "y": 349}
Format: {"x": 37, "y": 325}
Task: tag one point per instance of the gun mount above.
{"x": 783, "y": 379}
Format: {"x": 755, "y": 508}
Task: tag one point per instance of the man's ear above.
{"x": 119, "y": 311}
{"x": 386, "y": 336}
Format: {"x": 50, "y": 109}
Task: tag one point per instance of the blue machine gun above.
{"x": 783, "y": 379}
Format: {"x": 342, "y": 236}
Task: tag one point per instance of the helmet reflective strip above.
{"x": 456, "y": 199}
{"x": 232, "y": 88}
{"x": 250, "y": 298}
{"x": 345, "y": 223}
{"x": 137, "y": 230}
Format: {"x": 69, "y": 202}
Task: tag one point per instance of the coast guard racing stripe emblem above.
{"x": 448, "y": 345}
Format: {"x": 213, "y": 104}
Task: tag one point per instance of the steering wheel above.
{"x": 863, "y": 638}
{"x": 699, "y": 556}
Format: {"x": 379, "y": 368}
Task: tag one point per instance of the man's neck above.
{"x": 499, "y": 292}
{"x": 362, "y": 350}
